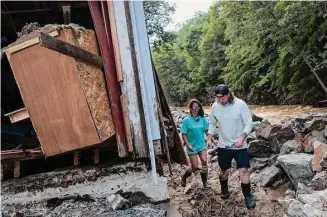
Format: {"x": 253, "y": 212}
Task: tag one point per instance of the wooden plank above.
{"x": 165, "y": 109}
{"x": 157, "y": 147}
{"x": 28, "y": 43}
{"x": 96, "y": 155}
{"x": 13, "y": 154}
{"x": 130, "y": 83}
{"x": 20, "y": 154}
{"x": 76, "y": 157}
{"x": 93, "y": 82}
{"x": 115, "y": 44}
{"x": 16, "y": 169}
{"x": 23, "y": 45}
{"x": 104, "y": 38}
{"x": 18, "y": 115}
{"x": 1, "y": 171}
{"x": 123, "y": 101}
{"x": 70, "y": 50}
{"x": 53, "y": 94}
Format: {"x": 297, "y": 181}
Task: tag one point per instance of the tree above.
{"x": 267, "y": 52}
{"x": 157, "y": 17}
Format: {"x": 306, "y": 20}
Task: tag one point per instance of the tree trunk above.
{"x": 315, "y": 73}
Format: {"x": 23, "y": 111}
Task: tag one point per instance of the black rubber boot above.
{"x": 185, "y": 175}
{"x": 224, "y": 189}
{"x": 249, "y": 199}
{"x": 204, "y": 178}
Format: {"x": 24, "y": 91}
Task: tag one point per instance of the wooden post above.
{"x": 96, "y": 155}
{"x": 76, "y": 157}
{"x": 1, "y": 171}
{"x": 16, "y": 169}
{"x": 69, "y": 49}
{"x": 102, "y": 28}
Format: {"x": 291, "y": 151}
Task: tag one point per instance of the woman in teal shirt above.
{"x": 194, "y": 126}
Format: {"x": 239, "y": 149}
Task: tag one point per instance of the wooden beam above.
{"x": 102, "y": 28}
{"x": 12, "y": 154}
{"x": 128, "y": 133}
{"x": 1, "y": 171}
{"x": 18, "y": 115}
{"x": 115, "y": 42}
{"x": 20, "y": 154}
{"x": 24, "y": 11}
{"x": 76, "y": 157}
{"x": 96, "y": 155}
{"x": 157, "y": 147}
{"x": 28, "y": 43}
{"x": 16, "y": 169}
{"x": 70, "y": 50}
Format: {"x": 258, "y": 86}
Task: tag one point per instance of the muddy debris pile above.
{"x": 290, "y": 158}
{"x": 124, "y": 189}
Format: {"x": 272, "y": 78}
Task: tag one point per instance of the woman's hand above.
{"x": 209, "y": 143}
{"x": 189, "y": 147}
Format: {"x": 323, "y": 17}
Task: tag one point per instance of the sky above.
{"x": 186, "y": 9}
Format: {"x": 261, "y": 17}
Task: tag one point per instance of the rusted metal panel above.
{"x": 101, "y": 24}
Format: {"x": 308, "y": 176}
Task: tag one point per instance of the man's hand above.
{"x": 189, "y": 147}
{"x": 239, "y": 143}
{"x": 209, "y": 143}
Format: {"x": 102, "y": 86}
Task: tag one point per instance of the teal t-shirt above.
{"x": 194, "y": 129}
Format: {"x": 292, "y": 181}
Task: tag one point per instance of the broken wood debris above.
{"x": 18, "y": 115}
{"x": 69, "y": 49}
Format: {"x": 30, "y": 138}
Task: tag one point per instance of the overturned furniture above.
{"x": 75, "y": 99}
{"x": 66, "y": 98}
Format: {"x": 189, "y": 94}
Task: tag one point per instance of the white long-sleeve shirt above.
{"x": 233, "y": 120}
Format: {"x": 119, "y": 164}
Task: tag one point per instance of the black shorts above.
{"x": 225, "y": 157}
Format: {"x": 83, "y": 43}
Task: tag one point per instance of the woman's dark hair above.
{"x": 190, "y": 105}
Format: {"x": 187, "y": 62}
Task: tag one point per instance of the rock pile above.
{"x": 295, "y": 150}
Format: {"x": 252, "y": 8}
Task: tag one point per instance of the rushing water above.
{"x": 276, "y": 113}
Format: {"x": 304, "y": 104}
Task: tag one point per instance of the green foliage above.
{"x": 157, "y": 17}
{"x": 270, "y": 48}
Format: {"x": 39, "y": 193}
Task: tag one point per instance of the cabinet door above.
{"x": 54, "y": 97}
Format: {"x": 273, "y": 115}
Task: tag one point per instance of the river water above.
{"x": 275, "y": 113}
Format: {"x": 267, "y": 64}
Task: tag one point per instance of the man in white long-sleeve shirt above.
{"x": 234, "y": 121}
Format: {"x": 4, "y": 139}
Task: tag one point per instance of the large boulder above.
{"x": 291, "y": 146}
{"x": 307, "y": 143}
{"x": 317, "y": 123}
{"x": 259, "y": 163}
{"x": 266, "y": 129}
{"x": 298, "y": 167}
{"x": 259, "y": 148}
{"x": 269, "y": 176}
{"x": 319, "y": 152}
{"x": 317, "y": 199}
{"x": 323, "y": 162}
{"x": 298, "y": 209}
{"x": 319, "y": 136}
{"x": 279, "y": 138}
{"x": 319, "y": 181}
{"x": 256, "y": 118}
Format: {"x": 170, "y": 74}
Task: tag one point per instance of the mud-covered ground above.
{"x": 199, "y": 201}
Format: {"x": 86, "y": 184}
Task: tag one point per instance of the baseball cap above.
{"x": 222, "y": 90}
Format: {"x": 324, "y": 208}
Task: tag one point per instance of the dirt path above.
{"x": 207, "y": 202}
